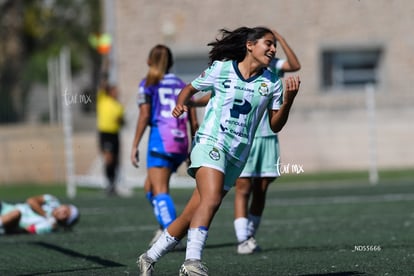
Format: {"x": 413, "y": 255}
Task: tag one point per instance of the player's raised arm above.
{"x": 183, "y": 98}
{"x": 292, "y": 63}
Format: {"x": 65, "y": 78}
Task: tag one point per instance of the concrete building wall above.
{"x": 327, "y": 129}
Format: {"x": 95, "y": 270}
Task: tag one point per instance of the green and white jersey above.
{"x": 32, "y": 221}
{"x": 264, "y": 129}
{"x": 236, "y": 106}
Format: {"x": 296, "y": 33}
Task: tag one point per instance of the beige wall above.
{"x": 307, "y": 25}
{"x": 34, "y": 153}
{"x": 327, "y": 129}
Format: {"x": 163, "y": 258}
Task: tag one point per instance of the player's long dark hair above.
{"x": 232, "y": 44}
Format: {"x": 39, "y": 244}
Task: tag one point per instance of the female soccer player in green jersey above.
{"x": 261, "y": 167}
{"x": 242, "y": 91}
{"x": 40, "y": 214}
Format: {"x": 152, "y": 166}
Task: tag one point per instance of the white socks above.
{"x": 165, "y": 243}
{"x": 240, "y": 227}
{"x": 246, "y": 227}
{"x": 196, "y": 239}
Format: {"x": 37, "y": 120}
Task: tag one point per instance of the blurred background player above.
{"x": 110, "y": 118}
{"x": 39, "y": 215}
{"x": 261, "y": 168}
{"x": 168, "y": 142}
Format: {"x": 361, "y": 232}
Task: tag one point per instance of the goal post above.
{"x": 370, "y": 106}
{"x": 65, "y": 80}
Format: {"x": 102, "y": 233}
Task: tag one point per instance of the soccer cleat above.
{"x": 248, "y": 246}
{"x": 193, "y": 268}
{"x": 157, "y": 234}
{"x": 145, "y": 265}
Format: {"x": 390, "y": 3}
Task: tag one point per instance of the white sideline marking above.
{"x": 120, "y": 229}
{"x": 272, "y": 202}
{"x": 339, "y": 199}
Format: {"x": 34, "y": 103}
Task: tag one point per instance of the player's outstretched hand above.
{"x": 292, "y": 84}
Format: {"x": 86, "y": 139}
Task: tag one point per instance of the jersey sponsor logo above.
{"x": 236, "y": 123}
{"x": 244, "y": 89}
{"x": 214, "y": 154}
{"x": 226, "y": 83}
{"x": 240, "y": 107}
{"x": 239, "y": 133}
{"x": 232, "y": 131}
{"x": 179, "y": 136}
{"x": 263, "y": 89}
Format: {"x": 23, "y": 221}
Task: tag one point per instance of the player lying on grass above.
{"x": 38, "y": 215}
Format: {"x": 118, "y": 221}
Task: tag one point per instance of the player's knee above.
{"x": 212, "y": 203}
{"x": 243, "y": 192}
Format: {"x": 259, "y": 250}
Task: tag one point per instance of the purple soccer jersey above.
{"x": 168, "y": 134}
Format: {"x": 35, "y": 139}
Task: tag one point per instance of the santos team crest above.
{"x": 263, "y": 89}
{"x": 214, "y": 154}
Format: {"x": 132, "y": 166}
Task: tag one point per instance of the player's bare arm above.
{"x": 142, "y": 123}
{"x": 278, "y": 118}
{"x": 35, "y": 202}
{"x": 292, "y": 63}
{"x": 183, "y": 98}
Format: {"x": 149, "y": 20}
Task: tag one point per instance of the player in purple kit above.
{"x": 168, "y": 142}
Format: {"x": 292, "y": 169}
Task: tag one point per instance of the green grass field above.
{"x": 313, "y": 225}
